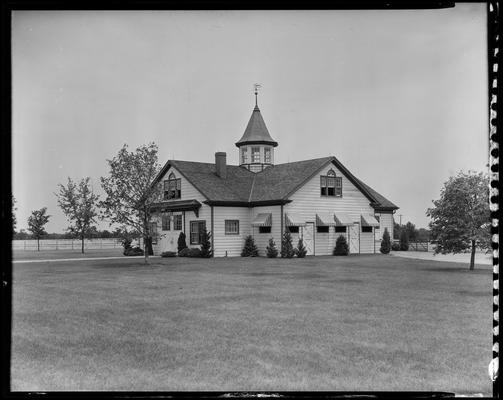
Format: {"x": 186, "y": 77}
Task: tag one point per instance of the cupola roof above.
{"x": 256, "y": 132}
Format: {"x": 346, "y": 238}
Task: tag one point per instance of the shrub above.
{"x": 286, "y": 246}
{"x": 271, "y": 250}
{"x": 301, "y": 250}
{"x": 395, "y": 246}
{"x": 126, "y": 243}
{"x": 341, "y": 246}
{"x": 249, "y": 249}
{"x": 184, "y": 252}
{"x": 182, "y": 244}
{"x": 168, "y": 254}
{"x": 404, "y": 240}
{"x": 190, "y": 252}
{"x": 206, "y": 250}
{"x": 385, "y": 243}
{"x": 133, "y": 251}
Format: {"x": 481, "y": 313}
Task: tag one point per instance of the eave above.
{"x": 223, "y": 203}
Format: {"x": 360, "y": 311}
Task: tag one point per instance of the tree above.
{"x": 14, "y": 220}
{"x": 461, "y": 217}
{"x": 301, "y": 250}
{"x": 271, "y": 250}
{"x": 182, "y": 244}
{"x": 249, "y": 249}
{"x": 341, "y": 246}
{"x": 404, "y": 240}
{"x": 130, "y": 194}
{"x": 78, "y": 203}
{"x": 411, "y": 230}
{"x": 206, "y": 251}
{"x": 36, "y": 222}
{"x": 286, "y": 246}
{"x": 386, "y": 242}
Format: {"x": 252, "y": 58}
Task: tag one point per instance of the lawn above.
{"x": 326, "y": 323}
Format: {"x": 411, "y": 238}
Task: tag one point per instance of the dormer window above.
{"x": 330, "y": 184}
{"x": 172, "y": 187}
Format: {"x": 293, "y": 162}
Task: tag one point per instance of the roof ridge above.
{"x": 251, "y": 189}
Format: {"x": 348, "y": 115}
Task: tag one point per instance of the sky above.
{"x": 399, "y": 97}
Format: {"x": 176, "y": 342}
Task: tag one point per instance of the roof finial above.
{"x": 257, "y": 86}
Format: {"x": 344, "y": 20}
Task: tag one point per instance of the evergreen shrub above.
{"x": 206, "y": 251}
{"x": 287, "y": 250}
{"x": 341, "y": 246}
{"x": 301, "y": 250}
{"x": 386, "y": 242}
{"x": 182, "y": 243}
{"x": 404, "y": 240}
{"x": 249, "y": 249}
{"x": 271, "y": 250}
{"x": 168, "y": 254}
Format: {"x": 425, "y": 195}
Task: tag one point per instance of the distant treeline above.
{"x": 104, "y": 234}
{"x": 413, "y": 234}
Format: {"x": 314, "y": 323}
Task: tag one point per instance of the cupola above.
{"x": 256, "y": 146}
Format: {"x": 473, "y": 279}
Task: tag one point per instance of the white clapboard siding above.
{"x": 367, "y": 243}
{"x": 262, "y": 239}
{"x": 385, "y": 221}
{"x": 307, "y": 201}
{"x": 230, "y": 245}
{"x": 189, "y": 192}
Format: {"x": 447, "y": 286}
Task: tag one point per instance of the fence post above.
{"x": 101, "y": 243}
{"x": 56, "y": 244}
{"x": 24, "y": 245}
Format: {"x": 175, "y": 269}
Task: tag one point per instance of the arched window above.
{"x": 172, "y": 187}
{"x": 330, "y": 184}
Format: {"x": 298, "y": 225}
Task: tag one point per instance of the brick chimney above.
{"x": 221, "y": 164}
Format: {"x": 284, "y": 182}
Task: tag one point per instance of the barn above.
{"x": 316, "y": 200}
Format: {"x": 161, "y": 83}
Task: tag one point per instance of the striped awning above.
{"x": 325, "y": 219}
{"x": 343, "y": 219}
{"x": 369, "y": 220}
{"x": 262, "y": 220}
{"x": 294, "y": 220}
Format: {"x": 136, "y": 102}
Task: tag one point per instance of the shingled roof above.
{"x": 275, "y": 184}
{"x": 256, "y": 132}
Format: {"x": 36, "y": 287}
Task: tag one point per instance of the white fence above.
{"x": 66, "y": 244}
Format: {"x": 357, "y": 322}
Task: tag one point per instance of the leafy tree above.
{"x": 182, "y": 243}
{"x": 130, "y": 195}
{"x": 411, "y": 230}
{"x": 301, "y": 250}
{"x": 271, "y": 250}
{"x": 206, "y": 251}
{"x": 249, "y": 249}
{"x": 404, "y": 240}
{"x": 341, "y": 246}
{"x": 423, "y": 235}
{"x": 78, "y": 203}
{"x": 36, "y": 222}
{"x": 14, "y": 220}
{"x": 286, "y": 246}
{"x": 461, "y": 217}
{"x": 386, "y": 242}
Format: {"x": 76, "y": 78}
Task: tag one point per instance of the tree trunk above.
{"x": 82, "y": 239}
{"x": 38, "y": 244}
{"x": 145, "y": 249}
{"x": 472, "y": 258}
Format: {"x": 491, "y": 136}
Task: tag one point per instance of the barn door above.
{"x": 308, "y": 237}
{"x": 354, "y": 239}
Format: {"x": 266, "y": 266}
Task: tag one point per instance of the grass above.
{"x": 325, "y": 323}
{"x": 65, "y": 253}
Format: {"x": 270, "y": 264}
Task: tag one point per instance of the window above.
{"x": 196, "y": 231}
{"x": 244, "y": 156}
{"x": 367, "y": 229}
{"x": 232, "y": 227}
{"x": 165, "y": 222}
{"x": 293, "y": 229}
{"x": 172, "y": 187}
{"x": 153, "y": 232}
{"x": 264, "y": 229}
{"x": 255, "y": 154}
{"x": 322, "y": 229}
{"x": 331, "y": 185}
{"x": 177, "y": 222}
{"x": 267, "y": 155}
{"x": 340, "y": 229}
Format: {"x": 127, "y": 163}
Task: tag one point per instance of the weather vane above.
{"x": 257, "y": 86}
